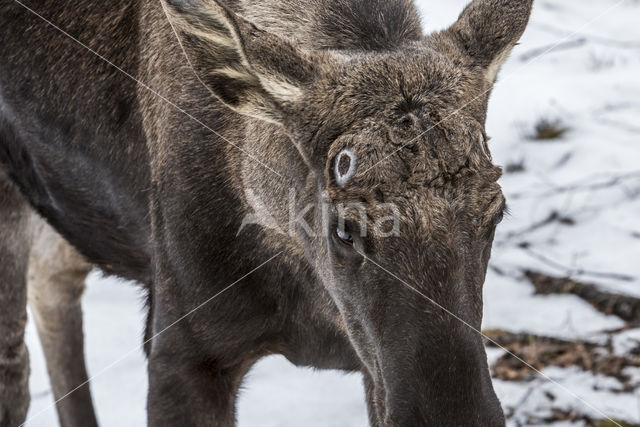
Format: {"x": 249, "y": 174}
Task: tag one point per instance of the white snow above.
{"x": 590, "y": 81}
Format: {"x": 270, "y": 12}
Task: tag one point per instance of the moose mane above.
{"x": 360, "y": 25}
{"x": 367, "y": 24}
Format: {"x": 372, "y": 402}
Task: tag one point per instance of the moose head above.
{"x": 379, "y": 125}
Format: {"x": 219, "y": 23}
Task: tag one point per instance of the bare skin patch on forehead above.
{"x": 344, "y": 164}
{"x": 408, "y": 152}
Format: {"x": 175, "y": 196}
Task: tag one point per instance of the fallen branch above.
{"x": 554, "y": 218}
{"x": 586, "y": 185}
{"x": 571, "y": 272}
{"x": 624, "y": 44}
{"x": 625, "y": 307}
{"x": 540, "y": 352}
{"x": 540, "y": 51}
{"x": 574, "y": 416}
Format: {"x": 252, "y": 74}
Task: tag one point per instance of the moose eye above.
{"x": 504, "y": 210}
{"x": 345, "y": 237}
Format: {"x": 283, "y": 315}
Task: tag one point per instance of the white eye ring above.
{"x": 345, "y": 166}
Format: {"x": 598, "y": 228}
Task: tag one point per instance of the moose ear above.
{"x": 487, "y": 30}
{"x": 252, "y": 71}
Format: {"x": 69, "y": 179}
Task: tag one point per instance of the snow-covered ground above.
{"x": 590, "y": 81}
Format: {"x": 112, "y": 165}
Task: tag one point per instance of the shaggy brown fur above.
{"x": 274, "y": 90}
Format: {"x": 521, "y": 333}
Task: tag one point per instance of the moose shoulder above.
{"x": 309, "y": 178}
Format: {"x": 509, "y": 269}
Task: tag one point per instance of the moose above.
{"x": 135, "y": 136}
